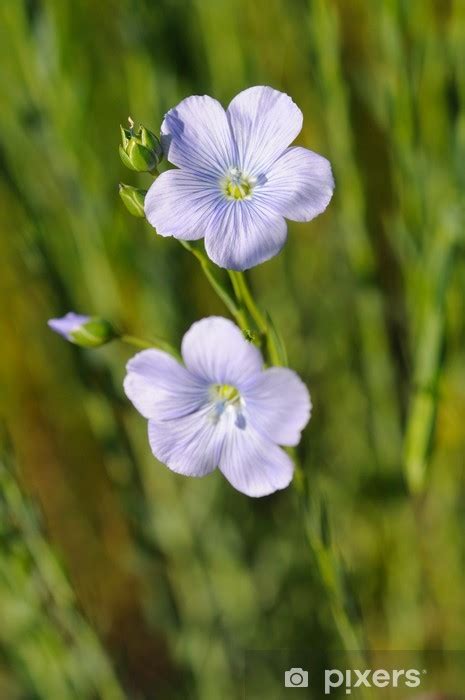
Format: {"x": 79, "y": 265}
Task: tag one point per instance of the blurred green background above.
{"x": 118, "y": 578}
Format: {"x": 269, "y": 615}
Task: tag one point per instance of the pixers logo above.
{"x": 352, "y": 679}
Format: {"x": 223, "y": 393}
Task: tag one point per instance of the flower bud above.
{"x": 133, "y": 199}
{"x": 141, "y": 150}
{"x": 86, "y": 331}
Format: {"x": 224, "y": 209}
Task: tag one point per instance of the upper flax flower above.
{"x": 221, "y": 409}
{"x": 237, "y": 179}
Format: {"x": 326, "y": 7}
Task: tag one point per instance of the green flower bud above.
{"x": 94, "y": 333}
{"x": 86, "y": 331}
{"x": 133, "y": 199}
{"x": 141, "y": 150}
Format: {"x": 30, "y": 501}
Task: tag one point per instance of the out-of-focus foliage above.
{"x": 135, "y": 582}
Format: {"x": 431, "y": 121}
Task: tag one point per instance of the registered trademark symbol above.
{"x": 424, "y": 671}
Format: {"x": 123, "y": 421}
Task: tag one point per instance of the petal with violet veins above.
{"x": 190, "y": 445}
{"x": 179, "y": 204}
{"x": 252, "y": 464}
{"x": 196, "y": 135}
{"x": 215, "y": 350}
{"x": 299, "y": 185}
{"x": 243, "y": 234}
{"x": 278, "y": 405}
{"x": 264, "y": 123}
{"x": 161, "y": 388}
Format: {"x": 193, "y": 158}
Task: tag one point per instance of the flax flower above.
{"x": 221, "y": 408}
{"x": 237, "y": 179}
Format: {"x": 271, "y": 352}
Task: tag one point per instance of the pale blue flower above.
{"x": 237, "y": 180}
{"x": 222, "y": 409}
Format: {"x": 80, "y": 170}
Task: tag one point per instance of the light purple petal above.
{"x": 264, "y": 123}
{"x": 278, "y": 405}
{"x": 161, "y": 388}
{"x": 190, "y": 445}
{"x": 196, "y": 135}
{"x": 299, "y": 185}
{"x": 215, "y": 350}
{"x": 180, "y": 204}
{"x": 252, "y": 464}
{"x": 244, "y": 233}
{"x": 67, "y": 324}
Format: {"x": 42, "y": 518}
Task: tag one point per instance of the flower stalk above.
{"x": 329, "y": 566}
{"x": 244, "y": 308}
{"x": 244, "y": 295}
{"x": 142, "y": 344}
{"x": 210, "y": 271}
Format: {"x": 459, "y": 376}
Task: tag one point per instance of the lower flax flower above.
{"x": 222, "y": 409}
{"x": 237, "y": 180}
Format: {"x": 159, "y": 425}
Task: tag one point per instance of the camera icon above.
{"x": 296, "y": 678}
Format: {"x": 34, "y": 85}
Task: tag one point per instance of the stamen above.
{"x": 238, "y": 185}
{"x": 226, "y": 397}
{"x": 225, "y": 393}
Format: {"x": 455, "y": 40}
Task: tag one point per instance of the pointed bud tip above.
{"x": 133, "y": 199}
{"x": 85, "y": 331}
{"x": 141, "y": 150}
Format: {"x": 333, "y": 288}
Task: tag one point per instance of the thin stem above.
{"x": 217, "y": 284}
{"x": 142, "y": 344}
{"x": 243, "y": 307}
{"x": 136, "y": 342}
{"x": 244, "y": 295}
{"x": 275, "y": 349}
{"x": 329, "y": 568}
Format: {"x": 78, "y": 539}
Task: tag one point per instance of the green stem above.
{"x": 242, "y": 306}
{"x": 244, "y": 295}
{"x": 142, "y": 344}
{"x": 275, "y": 349}
{"x": 329, "y": 568}
{"x": 217, "y": 284}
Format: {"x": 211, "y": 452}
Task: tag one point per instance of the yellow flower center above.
{"x": 226, "y": 399}
{"x": 226, "y": 393}
{"x": 237, "y": 184}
